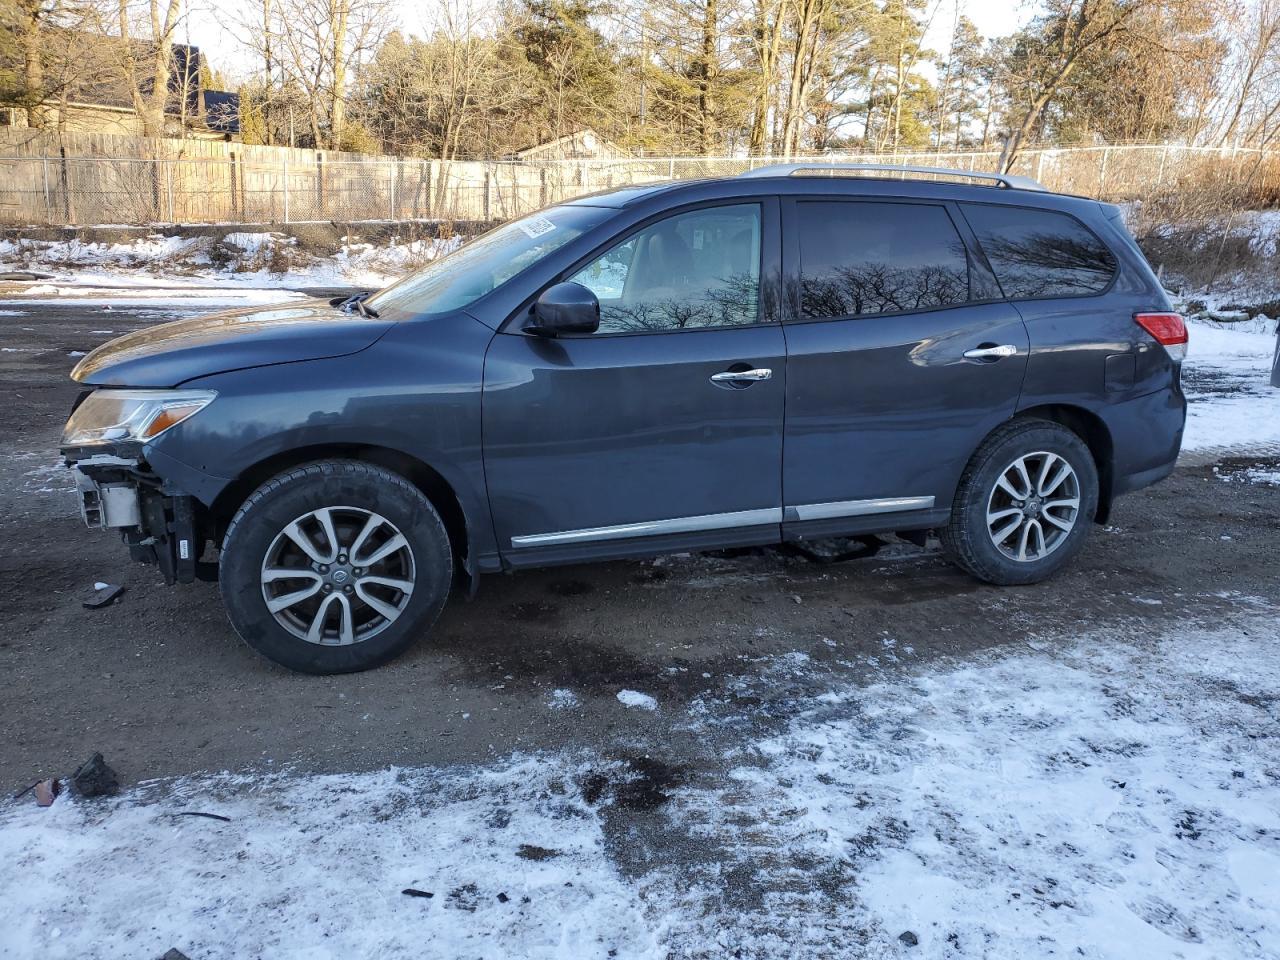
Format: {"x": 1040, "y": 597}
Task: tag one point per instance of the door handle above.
{"x": 991, "y": 353}
{"x": 729, "y": 376}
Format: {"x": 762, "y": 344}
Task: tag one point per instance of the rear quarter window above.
{"x": 1041, "y": 253}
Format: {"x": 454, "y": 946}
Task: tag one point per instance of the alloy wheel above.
{"x": 338, "y": 575}
{"x": 1033, "y": 506}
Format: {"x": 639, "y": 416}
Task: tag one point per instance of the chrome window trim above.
{"x": 650, "y": 528}
{"x": 855, "y": 508}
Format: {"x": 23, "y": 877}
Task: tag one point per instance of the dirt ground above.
{"x": 162, "y": 686}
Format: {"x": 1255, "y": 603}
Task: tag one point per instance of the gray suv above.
{"x": 803, "y": 352}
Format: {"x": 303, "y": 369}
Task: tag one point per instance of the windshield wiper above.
{"x": 357, "y": 303}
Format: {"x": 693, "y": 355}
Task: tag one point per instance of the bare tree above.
{"x": 1255, "y": 97}
{"x": 1054, "y": 48}
{"x": 313, "y": 48}
{"x": 145, "y": 54}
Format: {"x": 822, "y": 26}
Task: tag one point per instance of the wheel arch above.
{"x": 1093, "y": 430}
{"x": 431, "y": 482}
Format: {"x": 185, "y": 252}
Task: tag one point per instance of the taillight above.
{"x": 1169, "y": 329}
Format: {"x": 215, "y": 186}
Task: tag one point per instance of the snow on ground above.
{"x": 1096, "y": 797}
{"x": 240, "y": 258}
{"x": 189, "y": 294}
{"x": 634, "y": 698}
{"x": 1230, "y": 401}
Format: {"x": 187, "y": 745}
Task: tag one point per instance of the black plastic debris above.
{"x": 94, "y": 778}
{"x": 411, "y": 892}
{"x": 104, "y": 596}
{"x": 199, "y": 813}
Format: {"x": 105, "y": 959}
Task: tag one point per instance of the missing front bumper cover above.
{"x": 159, "y": 528}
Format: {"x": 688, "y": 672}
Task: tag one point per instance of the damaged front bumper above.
{"x": 118, "y": 491}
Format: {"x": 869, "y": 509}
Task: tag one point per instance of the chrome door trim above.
{"x": 855, "y": 508}
{"x": 651, "y": 528}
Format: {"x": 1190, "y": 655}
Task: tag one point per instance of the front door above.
{"x": 663, "y": 430}
{"x": 902, "y": 357}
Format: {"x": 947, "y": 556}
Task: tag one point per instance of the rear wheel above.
{"x": 1024, "y": 504}
{"x": 334, "y": 567}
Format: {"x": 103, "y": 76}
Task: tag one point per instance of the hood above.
{"x": 171, "y": 353}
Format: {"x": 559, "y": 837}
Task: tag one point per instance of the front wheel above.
{"x": 334, "y": 567}
{"x": 1024, "y": 504}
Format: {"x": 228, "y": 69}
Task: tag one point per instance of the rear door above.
{"x": 663, "y": 430}
{"x": 902, "y": 357}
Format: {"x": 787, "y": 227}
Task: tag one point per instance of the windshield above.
{"x": 477, "y": 267}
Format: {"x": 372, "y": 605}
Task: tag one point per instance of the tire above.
{"x": 969, "y": 540}
{"x": 357, "y": 617}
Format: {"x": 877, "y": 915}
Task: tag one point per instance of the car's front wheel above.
{"x": 335, "y": 566}
{"x": 1024, "y": 504}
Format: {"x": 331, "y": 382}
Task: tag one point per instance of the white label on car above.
{"x": 536, "y": 227}
{"x": 184, "y": 549}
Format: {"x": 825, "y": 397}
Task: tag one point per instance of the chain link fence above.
{"x": 64, "y": 191}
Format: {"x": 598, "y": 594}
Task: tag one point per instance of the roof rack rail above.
{"x": 816, "y": 168}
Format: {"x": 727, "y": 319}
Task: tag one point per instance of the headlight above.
{"x": 111, "y": 415}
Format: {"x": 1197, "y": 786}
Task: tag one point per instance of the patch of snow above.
{"x": 1230, "y": 402}
{"x": 1100, "y": 797}
{"x": 56, "y": 477}
{"x": 1269, "y": 478}
{"x": 562, "y": 700}
{"x": 255, "y": 243}
{"x": 634, "y": 698}
{"x": 314, "y": 867}
{"x": 161, "y": 261}
{"x": 1104, "y": 798}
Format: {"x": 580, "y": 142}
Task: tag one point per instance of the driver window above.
{"x": 697, "y": 269}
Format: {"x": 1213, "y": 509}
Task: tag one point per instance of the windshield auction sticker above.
{"x": 536, "y": 227}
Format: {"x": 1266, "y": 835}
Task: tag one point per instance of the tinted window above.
{"x": 476, "y": 268}
{"x": 865, "y": 258}
{"x": 698, "y": 269}
{"x": 1040, "y": 253}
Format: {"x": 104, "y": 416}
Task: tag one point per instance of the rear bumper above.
{"x": 1146, "y": 437}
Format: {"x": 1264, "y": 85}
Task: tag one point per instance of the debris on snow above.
{"x": 46, "y": 792}
{"x": 94, "y": 778}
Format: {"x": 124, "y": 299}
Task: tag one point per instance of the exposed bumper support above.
{"x": 119, "y": 493}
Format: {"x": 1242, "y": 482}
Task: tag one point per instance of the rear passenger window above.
{"x": 860, "y": 258}
{"x": 1040, "y": 253}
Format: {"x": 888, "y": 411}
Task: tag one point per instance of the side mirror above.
{"x": 565, "y": 308}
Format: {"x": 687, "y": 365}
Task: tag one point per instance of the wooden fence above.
{"x": 91, "y": 179}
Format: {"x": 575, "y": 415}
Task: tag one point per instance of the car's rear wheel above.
{"x": 334, "y": 567}
{"x": 1024, "y": 504}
